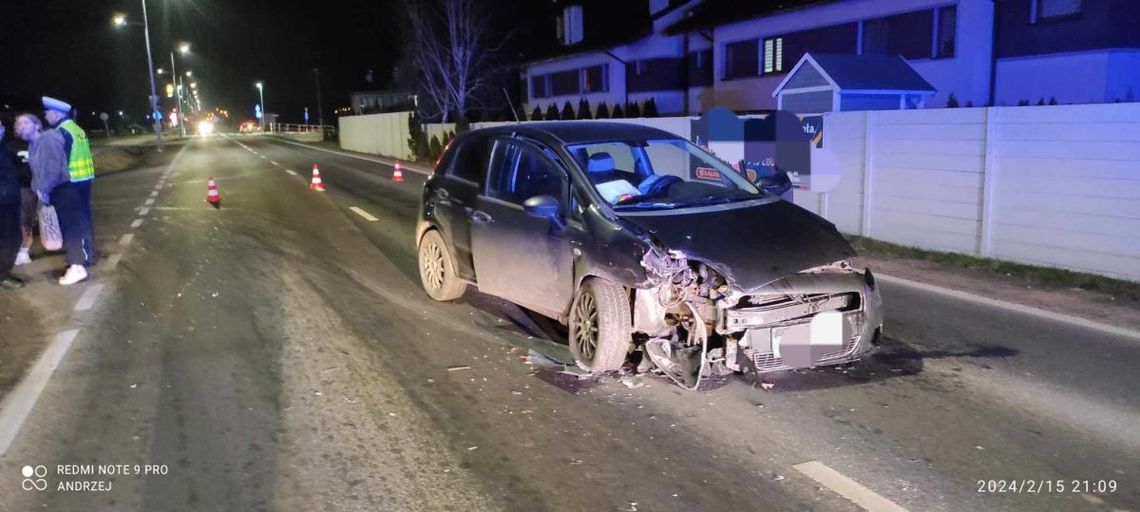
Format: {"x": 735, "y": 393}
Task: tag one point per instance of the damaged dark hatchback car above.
{"x": 640, "y": 241}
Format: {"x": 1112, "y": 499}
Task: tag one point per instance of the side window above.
{"x": 519, "y": 173}
{"x": 471, "y": 161}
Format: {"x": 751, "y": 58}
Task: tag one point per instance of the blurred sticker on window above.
{"x": 707, "y": 173}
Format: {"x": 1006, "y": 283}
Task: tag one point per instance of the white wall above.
{"x": 377, "y": 134}
{"x": 1084, "y": 77}
{"x": 1055, "y": 185}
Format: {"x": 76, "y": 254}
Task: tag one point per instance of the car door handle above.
{"x": 480, "y": 217}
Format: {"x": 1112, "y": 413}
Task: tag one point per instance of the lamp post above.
{"x": 261, "y": 95}
{"x": 121, "y": 20}
{"x": 183, "y": 48}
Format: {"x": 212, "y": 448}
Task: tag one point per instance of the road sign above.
{"x": 156, "y": 115}
{"x": 306, "y": 115}
{"x": 257, "y": 111}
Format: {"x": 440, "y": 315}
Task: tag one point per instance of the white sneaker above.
{"x": 23, "y": 258}
{"x": 75, "y": 274}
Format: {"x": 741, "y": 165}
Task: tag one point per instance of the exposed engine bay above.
{"x": 693, "y": 322}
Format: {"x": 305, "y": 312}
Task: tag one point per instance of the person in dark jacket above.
{"x": 10, "y": 236}
{"x": 29, "y": 203}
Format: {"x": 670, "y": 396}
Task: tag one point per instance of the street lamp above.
{"x": 261, "y": 94}
{"x": 120, "y": 20}
{"x": 183, "y": 48}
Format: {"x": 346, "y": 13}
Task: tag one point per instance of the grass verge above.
{"x": 1048, "y": 276}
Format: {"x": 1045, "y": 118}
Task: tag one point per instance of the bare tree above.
{"x": 454, "y": 53}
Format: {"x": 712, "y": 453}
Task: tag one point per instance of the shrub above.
{"x": 1052, "y": 100}
{"x": 536, "y": 114}
{"x": 434, "y": 148}
{"x": 417, "y": 140}
{"x": 632, "y": 110}
{"x": 567, "y": 111}
{"x": 1023, "y": 103}
{"x": 952, "y": 101}
{"x": 617, "y": 113}
{"x": 650, "y": 108}
{"x": 584, "y": 109}
{"x": 604, "y": 111}
{"x": 552, "y": 113}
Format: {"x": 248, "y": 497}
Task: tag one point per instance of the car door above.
{"x": 454, "y": 197}
{"x": 519, "y": 257}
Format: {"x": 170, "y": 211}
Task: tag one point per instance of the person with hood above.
{"x": 10, "y": 236}
{"x": 29, "y": 204}
{"x": 52, "y": 183}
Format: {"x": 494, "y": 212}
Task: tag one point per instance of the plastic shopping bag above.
{"x": 50, "y": 235}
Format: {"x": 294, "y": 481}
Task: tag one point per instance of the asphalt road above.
{"x": 278, "y": 354}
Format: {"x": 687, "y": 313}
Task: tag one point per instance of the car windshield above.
{"x": 660, "y": 174}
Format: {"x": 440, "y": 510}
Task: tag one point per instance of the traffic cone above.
{"x": 212, "y": 195}
{"x": 316, "y": 184}
{"x": 397, "y": 174}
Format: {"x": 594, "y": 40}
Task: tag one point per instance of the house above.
{"x": 365, "y": 102}
{"x": 696, "y": 55}
{"x": 832, "y": 82}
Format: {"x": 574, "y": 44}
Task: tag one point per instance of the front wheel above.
{"x": 437, "y": 271}
{"x": 600, "y": 321}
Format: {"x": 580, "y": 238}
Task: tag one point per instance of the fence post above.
{"x": 989, "y": 177}
{"x": 868, "y": 174}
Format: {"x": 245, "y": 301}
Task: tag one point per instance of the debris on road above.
{"x": 632, "y": 382}
{"x": 458, "y": 368}
{"x": 767, "y": 385}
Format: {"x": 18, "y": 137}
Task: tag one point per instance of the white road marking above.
{"x": 1010, "y": 306}
{"x": 136, "y": 223}
{"x": 358, "y": 157}
{"x": 274, "y": 163}
{"x": 126, "y": 239}
{"x": 290, "y": 171}
{"x": 18, "y": 403}
{"x": 263, "y": 157}
{"x": 367, "y": 216}
{"x": 847, "y": 487}
{"x": 143, "y": 211}
{"x": 149, "y": 201}
{"x": 112, "y": 262}
{"x": 87, "y": 301}
{"x": 154, "y": 194}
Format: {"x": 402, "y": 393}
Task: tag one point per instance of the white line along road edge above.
{"x": 847, "y": 487}
{"x": 1010, "y": 306}
{"x": 18, "y": 404}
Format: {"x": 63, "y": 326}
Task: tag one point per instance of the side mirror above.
{"x": 544, "y": 206}
{"x": 777, "y": 184}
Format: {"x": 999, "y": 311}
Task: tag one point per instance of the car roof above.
{"x": 572, "y": 132}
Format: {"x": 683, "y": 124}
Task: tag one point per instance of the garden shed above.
{"x": 837, "y": 83}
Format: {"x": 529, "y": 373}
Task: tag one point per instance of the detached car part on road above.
{"x": 641, "y": 241}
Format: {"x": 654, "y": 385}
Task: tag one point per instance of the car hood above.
{"x": 753, "y": 245}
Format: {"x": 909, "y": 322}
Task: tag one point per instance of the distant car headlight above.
{"x": 205, "y": 128}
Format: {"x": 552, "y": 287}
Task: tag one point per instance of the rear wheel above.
{"x": 437, "y": 271}
{"x": 600, "y": 321}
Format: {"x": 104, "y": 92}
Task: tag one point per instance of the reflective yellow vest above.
{"x": 80, "y": 164}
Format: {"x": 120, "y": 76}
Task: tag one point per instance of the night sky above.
{"x": 69, "y": 49}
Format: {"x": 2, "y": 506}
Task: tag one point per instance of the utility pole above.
{"x": 153, "y": 91}
{"x": 320, "y": 107}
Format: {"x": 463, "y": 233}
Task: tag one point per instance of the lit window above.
{"x": 572, "y": 24}
{"x": 774, "y": 55}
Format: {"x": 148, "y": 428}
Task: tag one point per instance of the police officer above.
{"x": 80, "y": 165}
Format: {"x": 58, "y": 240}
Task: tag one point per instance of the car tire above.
{"x": 437, "y": 271}
{"x": 600, "y": 335}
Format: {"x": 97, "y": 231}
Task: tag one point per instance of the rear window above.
{"x": 470, "y": 160}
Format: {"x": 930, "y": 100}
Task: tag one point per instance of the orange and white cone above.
{"x": 397, "y": 174}
{"x": 212, "y": 195}
{"x": 317, "y": 184}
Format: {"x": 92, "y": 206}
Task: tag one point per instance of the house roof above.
{"x": 863, "y": 72}
{"x": 711, "y": 13}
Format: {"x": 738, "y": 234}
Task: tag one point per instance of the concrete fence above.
{"x": 377, "y": 134}
{"x": 1052, "y": 185}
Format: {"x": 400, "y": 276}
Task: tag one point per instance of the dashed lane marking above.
{"x": 144, "y": 211}
{"x": 367, "y": 216}
{"x": 274, "y": 163}
{"x": 847, "y": 487}
{"x": 136, "y": 223}
{"x": 154, "y": 194}
{"x": 126, "y": 239}
{"x": 290, "y": 171}
{"x": 112, "y": 262}
{"x": 89, "y": 298}
{"x": 149, "y": 201}
{"x": 18, "y": 404}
